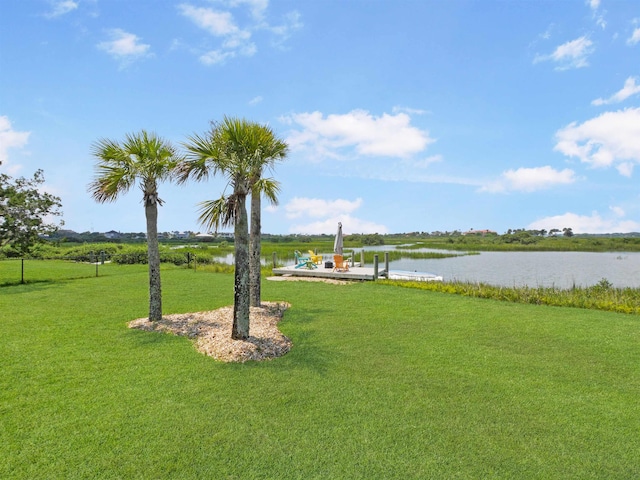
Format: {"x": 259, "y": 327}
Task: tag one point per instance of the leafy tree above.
{"x": 239, "y": 150}
{"x": 26, "y": 212}
{"x": 567, "y": 232}
{"x": 146, "y": 159}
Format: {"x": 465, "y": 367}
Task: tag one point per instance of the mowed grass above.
{"x": 382, "y": 382}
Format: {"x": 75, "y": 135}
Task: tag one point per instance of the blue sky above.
{"x": 401, "y": 116}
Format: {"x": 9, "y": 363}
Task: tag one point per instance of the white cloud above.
{"x": 598, "y": 17}
{"x": 330, "y": 225}
{"x": 530, "y": 179}
{"x": 257, "y": 7}
{"x": 358, "y": 131}
{"x": 634, "y": 38}
{"x": 594, "y": 223}
{"x": 61, "y": 7}
{"x": 9, "y": 138}
{"x": 292, "y": 22}
{"x": 572, "y": 54}
{"x": 124, "y": 46}
{"x": 408, "y": 110}
{"x": 219, "y": 24}
{"x": 236, "y": 40}
{"x": 611, "y": 139}
{"x": 630, "y": 88}
{"x": 617, "y": 211}
{"x": 426, "y": 162}
{"x": 216, "y": 56}
{"x": 319, "y": 208}
{"x": 323, "y": 216}
{"x": 255, "y": 100}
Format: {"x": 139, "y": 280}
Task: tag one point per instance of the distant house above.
{"x": 112, "y": 235}
{"x": 479, "y": 232}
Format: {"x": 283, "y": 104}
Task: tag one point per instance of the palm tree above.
{"x": 146, "y": 159}
{"x": 271, "y": 149}
{"x": 233, "y": 148}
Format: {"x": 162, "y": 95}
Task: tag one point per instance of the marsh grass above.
{"x": 602, "y": 296}
{"x": 382, "y": 382}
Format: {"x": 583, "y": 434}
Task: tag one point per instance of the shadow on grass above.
{"x": 32, "y": 285}
{"x": 307, "y": 352}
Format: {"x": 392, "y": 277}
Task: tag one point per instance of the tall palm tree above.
{"x": 146, "y": 159}
{"x": 271, "y": 150}
{"x": 233, "y": 148}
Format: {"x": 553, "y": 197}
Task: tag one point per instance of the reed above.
{"x": 602, "y": 296}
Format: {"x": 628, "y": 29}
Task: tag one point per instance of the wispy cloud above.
{"x": 124, "y": 46}
{"x": 598, "y": 16}
{"x": 236, "y": 40}
{"x": 611, "y": 139}
{"x": 530, "y": 180}
{"x": 10, "y": 138}
{"x": 323, "y": 216}
{"x": 408, "y": 110}
{"x": 634, "y": 38}
{"x": 320, "y": 208}
{"x": 61, "y": 7}
{"x": 630, "y": 88}
{"x": 569, "y": 55}
{"x": 594, "y": 223}
{"x": 255, "y": 100}
{"x": 357, "y": 133}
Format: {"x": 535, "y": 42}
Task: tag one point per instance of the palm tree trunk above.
{"x": 153, "y": 254}
{"x": 254, "y": 250}
{"x": 241, "y": 301}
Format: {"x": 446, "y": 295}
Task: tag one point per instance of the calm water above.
{"x": 545, "y": 269}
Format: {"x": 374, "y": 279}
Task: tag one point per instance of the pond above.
{"x": 533, "y": 269}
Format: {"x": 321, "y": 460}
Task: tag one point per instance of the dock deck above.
{"x": 354, "y": 273}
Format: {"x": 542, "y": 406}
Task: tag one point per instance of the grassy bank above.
{"x": 382, "y": 382}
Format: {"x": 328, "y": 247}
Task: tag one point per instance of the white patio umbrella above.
{"x": 337, "y": 244}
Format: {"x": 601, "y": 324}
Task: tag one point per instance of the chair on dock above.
{"x": 317, "y": 259}
{"x": 340, "y": 264}
{"x": 303, "y": 261}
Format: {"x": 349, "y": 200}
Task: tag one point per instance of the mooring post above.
{"x": 362, "y": 257}
{"x": 102, "y": 257}
{"x": 275, "y": 259}
{"x": 375, "y": 267}
{"x": 386, "y": 264}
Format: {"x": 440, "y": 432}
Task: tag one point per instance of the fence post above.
{"x": 102, "y": 257}
{"x": 275, "y": 257}
{"x": 375, "y": 267}
{"x": 386, "y": 264}
{"x": 22, "y": 275}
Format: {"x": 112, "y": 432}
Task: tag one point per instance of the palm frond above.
{"x": 141, "y": 156}
{"x": 217, "y": 213}
{"x": 268, "y": 187}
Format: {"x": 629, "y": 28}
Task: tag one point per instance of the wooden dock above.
{"x": 354, "y": 273}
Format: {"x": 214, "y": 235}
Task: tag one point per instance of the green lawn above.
{"x": 382, "y": 382}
